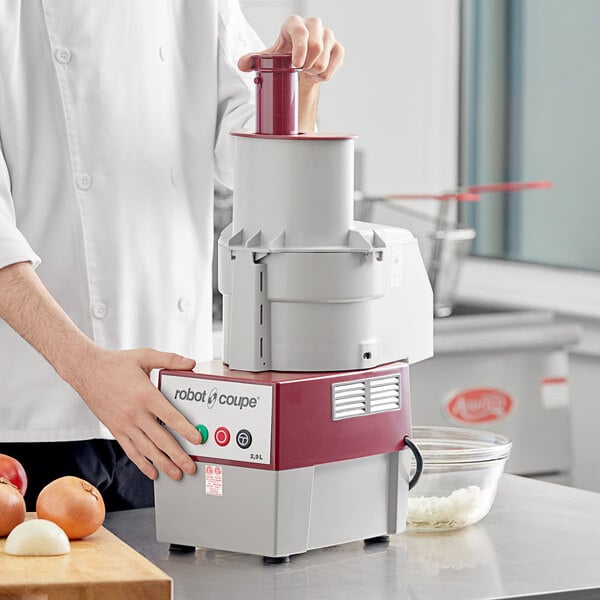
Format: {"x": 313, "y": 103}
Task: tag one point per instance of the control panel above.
{"x": 234, "y": 418}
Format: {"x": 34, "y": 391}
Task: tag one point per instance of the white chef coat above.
{"x": 114, "y": 118}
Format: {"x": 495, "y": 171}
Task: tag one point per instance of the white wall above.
{"x": 266, "y": 16}
{"x": 397, "y": 89}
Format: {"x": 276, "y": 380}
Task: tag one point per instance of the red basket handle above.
{"x": 461, "y": 196}
{"x": 508, "y": 186}
{"x": 471, "y": 193}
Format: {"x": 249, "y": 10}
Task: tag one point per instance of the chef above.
{"x": 114, "y": 123}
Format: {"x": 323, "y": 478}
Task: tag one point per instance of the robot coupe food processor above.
{"x": 305, "y": 422}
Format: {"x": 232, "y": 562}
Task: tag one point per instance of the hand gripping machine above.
{"x": 306, "y": 421}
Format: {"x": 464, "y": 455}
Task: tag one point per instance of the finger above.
{"x": 136, "y": 457}
{"x": 153, "y": 453}
{"x": 336, "y": 60}
{"x": 321, "y": 63}
{"x": 170, "y": 416}
{"x": 153, "y": 359}
{"x": 315, "y": 44}
{"x": 295, "y": 35}
{"x": 246, "y": 62}
{"x": 165, "y": 442}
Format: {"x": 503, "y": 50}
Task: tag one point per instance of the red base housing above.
{"x": 303, "y": 430}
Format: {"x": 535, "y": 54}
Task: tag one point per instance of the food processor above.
{"x": 306, "y": 421}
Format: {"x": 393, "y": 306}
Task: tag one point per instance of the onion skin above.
{"x": 13, "y": 470}
{"x": 12, "y": 507}
{"x": 75, "y": 505}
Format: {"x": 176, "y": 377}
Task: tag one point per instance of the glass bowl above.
{"x": 461, "y": 469}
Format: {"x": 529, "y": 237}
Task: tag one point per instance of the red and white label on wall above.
{"x": 479, "y": 405}
{"x": 555, "y": 392}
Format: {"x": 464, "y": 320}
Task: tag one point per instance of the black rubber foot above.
{"x": 276, "y": 560}
{"x": 378, "y": 539}
{"x": 181, "y": 548}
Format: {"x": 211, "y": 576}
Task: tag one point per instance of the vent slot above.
{"x": 368, "y": 396}
{"x": 348, "y": 399}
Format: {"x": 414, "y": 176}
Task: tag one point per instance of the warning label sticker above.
{"x": 555, "y": 392}
{"x": 213, "y": 478}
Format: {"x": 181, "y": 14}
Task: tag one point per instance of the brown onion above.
{"x": 12, "y": 507}
{"x": 75, "y": 505}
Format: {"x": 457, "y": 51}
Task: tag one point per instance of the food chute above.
{"x": 306, "y": 421}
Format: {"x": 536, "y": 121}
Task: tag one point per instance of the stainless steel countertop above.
{"x": 539, "y": 540}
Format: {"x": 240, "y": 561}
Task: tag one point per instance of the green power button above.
{"x": 203, "y": 432}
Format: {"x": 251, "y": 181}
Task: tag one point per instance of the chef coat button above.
{"x": 99, "y": 310}
{"x": 162, "y": 52}
{"x": 175, "y": 178}
{"x": 84, "y": 181}
{"x": 183, "y": 304}
{"x": 62, "y": 55}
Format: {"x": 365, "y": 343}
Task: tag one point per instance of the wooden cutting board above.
{"x": 99, "y": 567}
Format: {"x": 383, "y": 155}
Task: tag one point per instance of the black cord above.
{"x": 418, "y": 460}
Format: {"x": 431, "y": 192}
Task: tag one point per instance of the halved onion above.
{"x": 37, "y": 537}
{"x": 75, "y": 505}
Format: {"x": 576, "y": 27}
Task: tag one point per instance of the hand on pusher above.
{"x": 314, "y": 48}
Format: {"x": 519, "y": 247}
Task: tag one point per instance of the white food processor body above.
{"x": 307, "y": 418}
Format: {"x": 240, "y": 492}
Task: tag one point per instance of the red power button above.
{"x": 222, "y": 436}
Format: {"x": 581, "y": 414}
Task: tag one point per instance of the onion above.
{"x": 12, "y": 507}
{"x": 13, "y": 470}
{"x": 37, "y": 537}
{"x": 75, "y": 505}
